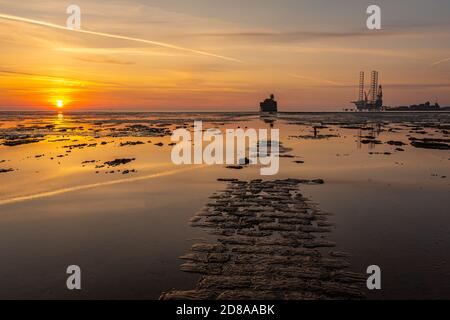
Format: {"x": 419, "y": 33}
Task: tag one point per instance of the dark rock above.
{"x": 396, "y": 143}
{"x": 269, "y": 247}
{"x": 430, "y": 145}
{"x": 88, "y": 161}
{"x": 131, "y": 143}
{"x": 370, "y": 141}
{"x": 118, "y": 162}
{"x": 18, "y": 142}
{"x": 235, "y": 167}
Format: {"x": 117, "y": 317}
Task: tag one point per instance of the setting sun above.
{"x": 59, "y": 103}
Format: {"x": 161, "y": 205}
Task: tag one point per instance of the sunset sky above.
{"x": 219, "y": 55}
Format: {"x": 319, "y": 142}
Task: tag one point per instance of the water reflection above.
{"x": 390, "y": 207}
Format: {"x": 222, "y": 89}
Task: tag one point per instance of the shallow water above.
{"x": 126, "y": 231}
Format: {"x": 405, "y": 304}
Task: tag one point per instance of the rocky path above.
{"x": 271, "y": 244}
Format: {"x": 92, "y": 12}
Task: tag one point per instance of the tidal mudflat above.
{"x": 268, "y": 247}
{"x": 99, "y": 190}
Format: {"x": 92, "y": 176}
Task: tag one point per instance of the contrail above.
{"x": 94, "y": 185}
{"x": 114, "y": 36}
{"x": 440, "y": 61}
{"x": 315, "y": 79}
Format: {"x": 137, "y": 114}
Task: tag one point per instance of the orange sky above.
{"x": 308, "y": 64}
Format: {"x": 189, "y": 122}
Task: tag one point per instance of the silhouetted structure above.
{"x": 269, "y": 105}
{"x": 372, "y": 100}
{"x": 427, "y": 106}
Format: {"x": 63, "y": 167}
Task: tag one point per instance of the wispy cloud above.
{"x": 440, "y": 61}
{"x": 121, "y": 51}
{"x": 52, "y": 78}
{"x": 403, "y": 86}
{"x": 105, "y": 60}
{"x": 316, "y": 80}
{"x": 308, "y": 35}
{"x": 357, "y": 50}
{"x": 418, "y": 86}
{"x": 286, "y": 37}
{"x": 114, "y": 36}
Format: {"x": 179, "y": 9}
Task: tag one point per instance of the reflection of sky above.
{"x": 389, "y": 210}
{"x": 308, "y": 53}
{"x": 340, "y": 157}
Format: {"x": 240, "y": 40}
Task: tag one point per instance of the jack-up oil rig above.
{"x": 373, "y": 99}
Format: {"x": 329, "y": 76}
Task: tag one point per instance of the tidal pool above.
{"x": 126, "y": 225}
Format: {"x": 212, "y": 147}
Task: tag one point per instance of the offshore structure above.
{"x": 269, "y": 105}
{"x": 371, "y": 100}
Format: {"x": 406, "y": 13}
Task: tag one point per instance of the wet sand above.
{"x": 99, "y": 190}
{"x": 268, "y": 248}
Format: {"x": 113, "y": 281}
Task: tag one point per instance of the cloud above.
{"x": 440, "y": 61}
{"x": 316, "y": 80}
{"x": 418, "y": 86}
{"x": 355, "y": 50}
{"x": 63, "y": 80}
{"x": 403, "y": 86}
{"x": 122, "y": 51}
{"x": 309, "y": 35}
{"x": 105, "y": 60}
{"x": 114, "y": 36}
{"x": 293, "y": 36}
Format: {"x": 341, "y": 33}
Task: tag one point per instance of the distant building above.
{"x": 269, "y": 105}
{"x": 427, "y": 106}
